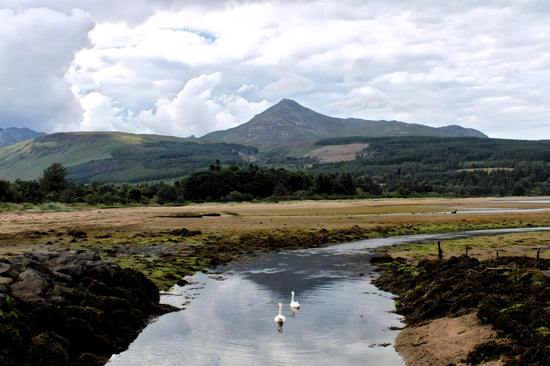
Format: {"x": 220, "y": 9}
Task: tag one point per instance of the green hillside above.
{"x": 115, "y": 156}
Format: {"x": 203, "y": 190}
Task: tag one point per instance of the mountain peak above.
{"x": 289, "y": 103}
{"x": 289, "y": 122}
{"x": 286, "y": 106}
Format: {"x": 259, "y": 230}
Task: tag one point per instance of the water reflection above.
{"x": 343, "y": 318}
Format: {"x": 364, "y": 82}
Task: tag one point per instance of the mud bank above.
{"x": 70, "y": 308}
{"x": 508, "y": 295}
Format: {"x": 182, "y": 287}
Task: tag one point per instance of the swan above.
{"x": 280, "y": 318}
{"x": 294, "y": 304}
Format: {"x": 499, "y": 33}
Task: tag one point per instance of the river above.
{"x": 228, "y": 315}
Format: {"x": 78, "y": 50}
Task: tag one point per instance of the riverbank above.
{"x": 465, "y": 311}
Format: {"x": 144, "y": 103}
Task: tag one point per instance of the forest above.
{"x": 230, "y": 183}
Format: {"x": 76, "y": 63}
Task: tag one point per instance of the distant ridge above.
{"x": 289, "y": 122}
{"x": 458, "y": 131}
{"x": 13, "y": 135}
{"x": 115, "y": 156}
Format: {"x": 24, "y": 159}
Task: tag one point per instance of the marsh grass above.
{"x": 522, "y": 244}
{"x": 212, "y": 234}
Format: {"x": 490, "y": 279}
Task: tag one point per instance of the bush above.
{"x": 236, "y": 196}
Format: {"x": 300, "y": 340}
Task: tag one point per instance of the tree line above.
{"x": 233, "y": 183}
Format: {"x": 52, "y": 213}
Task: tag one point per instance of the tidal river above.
{"x": 229, "y": 316}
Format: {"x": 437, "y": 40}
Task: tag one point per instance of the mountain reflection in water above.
{"x": 343, "y": 319}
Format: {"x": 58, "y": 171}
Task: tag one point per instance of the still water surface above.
{"x": 228, "y": 318}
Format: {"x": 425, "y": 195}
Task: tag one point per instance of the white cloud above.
{"x": 100, "y": 115}
{"x": 35, "y": 51}
{"x": 197, "y": 109}
{"x": 191, "y": 67}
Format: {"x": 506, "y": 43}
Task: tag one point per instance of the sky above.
{"x": 190, "y": 67}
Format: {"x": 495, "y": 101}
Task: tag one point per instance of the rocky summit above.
{"x": 70, "y": 308}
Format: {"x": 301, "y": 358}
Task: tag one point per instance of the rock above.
{"x": 28, "y": 289}
{"x": 62, "y": 276}
{"x": 182, "y": 282}
{"x": 72, "y": 308}
{"x": 29, "y": 274}
{"x": 378, "y": 259}
{"x": 72, "y": 270}
{"x": 6, "y": 281}
{"x": 4, "y": 268}
{"x": 37, "y": 256}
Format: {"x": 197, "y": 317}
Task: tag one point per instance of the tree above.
{"x": 166, "y": 193}
{"x": 54, "y": 180}
{"x": 5, "y": 191}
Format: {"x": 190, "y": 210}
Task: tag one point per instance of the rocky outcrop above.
{"x": 70, "y": 308}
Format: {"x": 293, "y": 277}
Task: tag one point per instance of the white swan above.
{"x": 280, "y": 318}
{"x": 294, "y": 304}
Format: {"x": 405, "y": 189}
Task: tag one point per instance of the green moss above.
{"x": 8, "y": 308}
{"x": 512, "y": 307}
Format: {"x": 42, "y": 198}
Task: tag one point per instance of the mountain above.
{"x": 289, "y": 122}
{"x": 458, "y": 131}
{"x": 286, "y": 133}
{"x": 116, "y": 157}
{"x": 13, "y": 135}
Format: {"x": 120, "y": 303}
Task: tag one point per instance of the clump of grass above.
{"x": 54, "y": 206}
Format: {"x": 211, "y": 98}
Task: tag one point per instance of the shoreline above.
{"x": 166, "y": 243}
{"x": 464, "y": 311}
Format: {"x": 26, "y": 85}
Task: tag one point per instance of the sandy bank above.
{"x": 444, "y": 341}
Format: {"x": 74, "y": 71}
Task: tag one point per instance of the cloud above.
{"x": 195, "y": 110}
{"x": 36, "y": 49}
{"x": 189, "y": 67}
